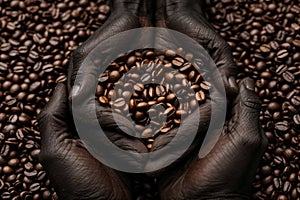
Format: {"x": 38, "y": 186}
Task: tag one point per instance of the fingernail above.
{"x": 75, "y": 90}
{"x": 249, "y": 83}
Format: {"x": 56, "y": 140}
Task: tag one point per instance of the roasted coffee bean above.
{"x": 34, "y": 187}
{"x": 265, "y": 48}
{"x": 142, "y": 106}
{"x": 296, "y": 100}
{"x": 282, "y": 54}
{"x": 119, "y": 102}
{"x": 270, "y": 28}
{"x": 139, "y": 87}
{"x": 205, "y": 85}
{"x": 147, "y": 133}
{"x": 170, "y": 53}
{"x": 200, "y": 96}
{"x": 3, "y": 67}
{"x": 103, "y": 100}
{"x": 186, "y": 67}
{"x": 296, "y": 119}
{"x": 288, "y": 76}
{"x": 146, "y": 77}
{"x": 139, "y": 115}
{"x": 131, "y": 60}
{"x": 287, "y": 187}
{"x": 281, "y": 69}
{"x": 178, "y": 62}
{"x": 114, "y": 76}
{"x": 273, "y": 106}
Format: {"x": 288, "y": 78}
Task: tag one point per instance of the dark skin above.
{"x": 225, "y": 173}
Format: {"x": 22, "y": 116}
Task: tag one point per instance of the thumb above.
{"x": 245, "y": 114}
{"x": 250, "y": 104}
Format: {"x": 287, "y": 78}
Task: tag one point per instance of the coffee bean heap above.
{"x": 153, "y": 90}
{"x": 36, "y": 40}
{"x": 265, "y": 39}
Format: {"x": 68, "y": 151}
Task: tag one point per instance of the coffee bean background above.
{"x": 37, "y": 38}
{"x": 264, "y": 36}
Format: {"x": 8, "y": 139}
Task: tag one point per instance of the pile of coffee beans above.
{"x": 36, "y": 40}
{"x": 156, "y": 88}
{"x": 265, "y": 39}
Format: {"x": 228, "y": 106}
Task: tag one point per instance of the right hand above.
{"x": 186, "y": 16}
{"x": 228, "y": 170}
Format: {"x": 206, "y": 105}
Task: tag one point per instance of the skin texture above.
{"x": 185, "y": 16}
{"x": 74, "y": 173}
{"x": 225, "y": 173}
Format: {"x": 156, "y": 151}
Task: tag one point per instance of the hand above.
{"x": 125, "y": 15}
{"x": 228, "y": 170}
{"x": 73, "y": 171}
{"x": 186, "y": 16}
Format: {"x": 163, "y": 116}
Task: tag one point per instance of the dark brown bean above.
{"x": 178, "y": 62}
{"x": 282, "y": 54}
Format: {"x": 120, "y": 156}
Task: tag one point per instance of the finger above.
{"x": 196, "y": 27}
{"x": 250, "y": 104}
{"x": 227, "y": 68}
{"x": 112, "y": 27}
{"x": 53, "y": 119}
{"x": 246, "y": 114}
{"x": 220, "y": 52}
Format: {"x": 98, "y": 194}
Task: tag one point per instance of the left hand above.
{"x": 73, "y": 171}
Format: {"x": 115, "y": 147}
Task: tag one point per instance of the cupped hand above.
{"x": 227, "y": 171}
{"x": 73, "y": 171}
{"x": 186, "y": 16}
{"x": 125, "y": 15}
